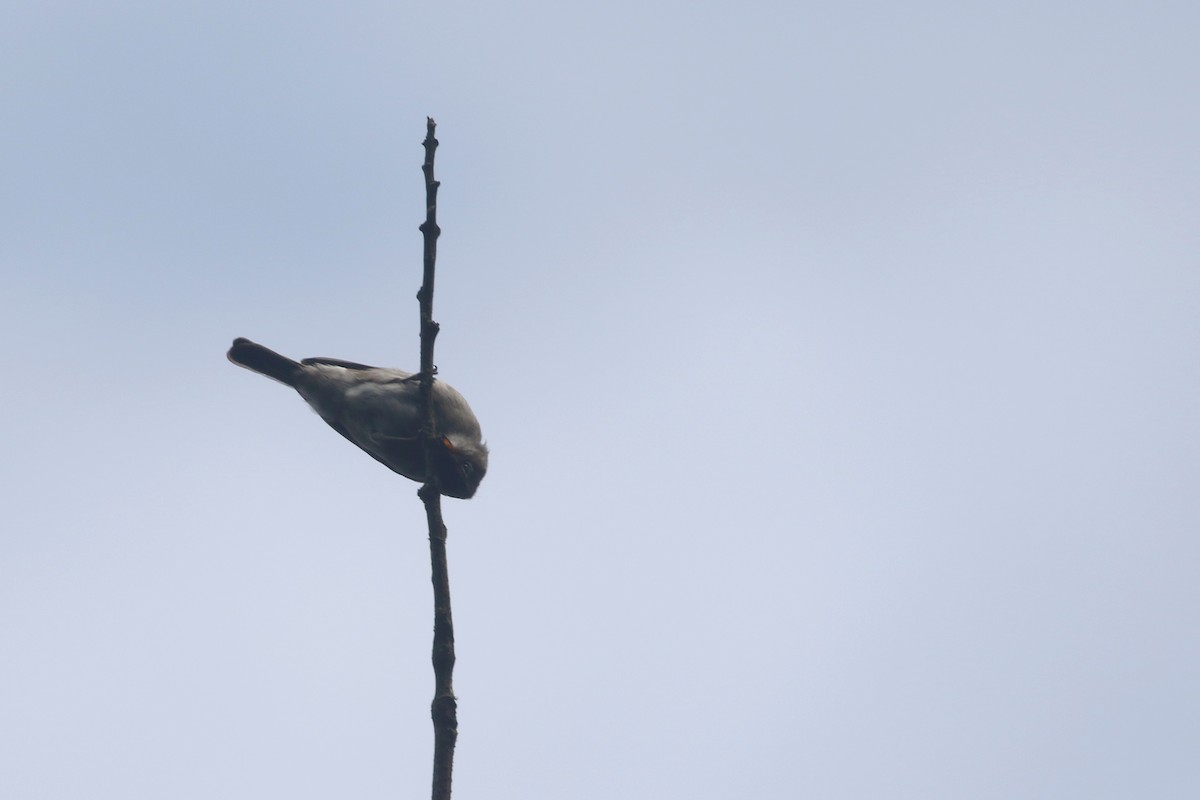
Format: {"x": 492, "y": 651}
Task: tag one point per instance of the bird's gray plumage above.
{"x": 378, "y": 409}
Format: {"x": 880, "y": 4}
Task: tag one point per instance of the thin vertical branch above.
{"x": 444, "y": 708}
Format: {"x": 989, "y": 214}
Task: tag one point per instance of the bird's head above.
{"x": 460, "y": 466}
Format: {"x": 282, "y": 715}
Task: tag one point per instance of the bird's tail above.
{"x": 250, "y": 355}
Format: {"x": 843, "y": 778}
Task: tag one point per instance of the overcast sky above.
{"x": 840, "y": 365}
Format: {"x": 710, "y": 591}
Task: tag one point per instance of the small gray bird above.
{"x": 379, "y": 410}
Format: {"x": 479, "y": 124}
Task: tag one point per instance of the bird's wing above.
{"x": 337, "y": 362}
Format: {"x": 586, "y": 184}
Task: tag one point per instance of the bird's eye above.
{"x": 466, "y": 468}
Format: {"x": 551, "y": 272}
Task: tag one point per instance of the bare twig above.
{"x": 444, "y": 708}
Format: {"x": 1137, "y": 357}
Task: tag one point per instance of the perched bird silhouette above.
{"x": 379, "y": 410}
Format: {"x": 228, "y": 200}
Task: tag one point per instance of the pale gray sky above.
{"x": 840, "y": 365}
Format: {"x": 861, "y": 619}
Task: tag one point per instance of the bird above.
{"x": 378, "y": 409}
